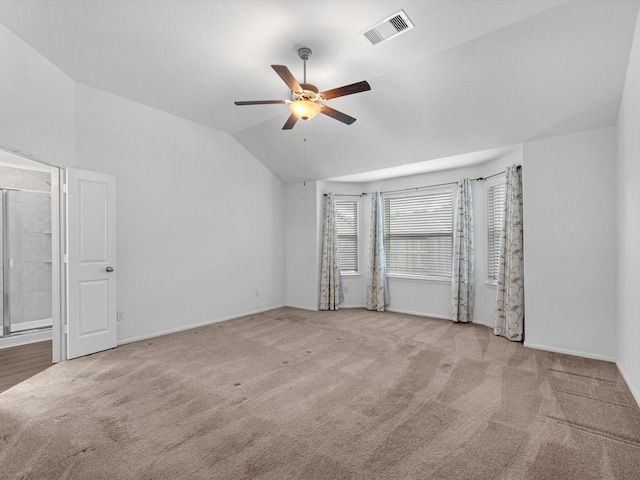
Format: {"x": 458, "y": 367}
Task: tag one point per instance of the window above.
{"x": 495, "y": 222}
{"x": 347, "y": 227}
{"x": 419, "y": 234}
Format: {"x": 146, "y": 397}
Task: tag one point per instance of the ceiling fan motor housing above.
{"x": 309, "y": 92}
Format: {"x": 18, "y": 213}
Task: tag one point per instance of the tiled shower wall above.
{"x": 29, "y": 244}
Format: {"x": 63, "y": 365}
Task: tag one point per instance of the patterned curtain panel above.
{"x": 377, "y": 289}
{"x": 509, "y": 319}
{"x": 330, "y": 279}
{"x": 463, "y": 263}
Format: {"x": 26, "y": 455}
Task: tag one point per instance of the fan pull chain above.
{"x": 304, "y": 163}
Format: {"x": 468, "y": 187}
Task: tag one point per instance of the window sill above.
{"x": 419, "y": 279}
{"x": 350, "y": 275}
{"x": 491, "y": 284}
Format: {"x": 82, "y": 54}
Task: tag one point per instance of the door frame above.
{"x": 58, "y": 247}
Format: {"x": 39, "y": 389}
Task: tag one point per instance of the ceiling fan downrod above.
{"x": 304, "y": 53}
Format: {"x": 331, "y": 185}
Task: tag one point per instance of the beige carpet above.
{"x": 291, "y": 394}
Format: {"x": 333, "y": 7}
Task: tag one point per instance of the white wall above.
{"x": 37, "y": 104}
{"x": 629, "y": 223}
{"x": 302, "y": 277}
{"x": 200, "y": 221}
{"x": 569, "y": 189}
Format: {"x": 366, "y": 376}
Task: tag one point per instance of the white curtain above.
{"x": 377, "y": 289}
{"x": 509, "y": 318}
{"x": 463, "y": 274}
{"x": 330, "y": 279}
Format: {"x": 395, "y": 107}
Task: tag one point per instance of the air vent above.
{"x": 388, "y": 28}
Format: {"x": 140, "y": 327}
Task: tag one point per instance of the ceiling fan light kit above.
{"x": 306, "y": 101}
{"x": 304, "y": 109}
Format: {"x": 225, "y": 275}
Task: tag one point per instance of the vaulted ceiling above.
{"x": 471, "y": 75}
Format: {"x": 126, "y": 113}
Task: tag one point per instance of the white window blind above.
{"x": 495, "y": 222}
{"x": 419, "y": 234}
{"x": 347, "y": 227}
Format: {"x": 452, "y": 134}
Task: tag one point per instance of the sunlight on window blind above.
{"x": 495, "y": 222}
{"x": 347, "y": 227}
{"x": 419, "y": 234}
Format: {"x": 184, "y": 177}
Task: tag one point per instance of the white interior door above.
{"x": 91, "y": 262}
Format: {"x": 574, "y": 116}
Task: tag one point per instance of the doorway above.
{"x": 29, "y": 245}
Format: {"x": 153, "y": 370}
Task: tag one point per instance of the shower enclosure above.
{"x": 26, "y": 280}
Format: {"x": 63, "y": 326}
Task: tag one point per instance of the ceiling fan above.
{"x": 306, "y": 101}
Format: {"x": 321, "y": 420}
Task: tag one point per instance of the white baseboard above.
{"x": 419, "y": 314}
{"x": 194, "y": 325}
{"x": 24, "y": 339}
{"x": 634, "y": 392}
{"x": 299, "y": 307}
{"x": 566, "y": 351}
{"x": 433, "y": 315}
{"x": 488, "y": 325}
{"x": 351, "y": 306}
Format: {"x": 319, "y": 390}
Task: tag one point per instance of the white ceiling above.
{"x": 471, "y": 76}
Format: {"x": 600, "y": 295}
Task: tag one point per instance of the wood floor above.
{"x": 19, "y": 363}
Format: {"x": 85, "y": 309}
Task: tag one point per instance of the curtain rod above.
{"x": 518, "y": 167}
{"x": 426, "y": 186}
{"x": 347, "y": 194}
{"x": 393, "y": 191}
{"x": 418, "y": 188}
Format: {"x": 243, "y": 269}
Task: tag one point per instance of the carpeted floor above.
{"x": 291, "y": 394}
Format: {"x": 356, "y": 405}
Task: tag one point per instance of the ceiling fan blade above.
{"x": 291, "y": 121}
{"x": 261, "y": 102}
{"x": 342, "y": 117}
{"x": 287, "y": 76}
{"x": 346, "y": 90}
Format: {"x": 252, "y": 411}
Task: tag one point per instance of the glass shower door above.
{"x": 26, "y": 259}
{"x": 9, "y": 227}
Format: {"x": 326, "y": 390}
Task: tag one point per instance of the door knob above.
{"x": 110, "y": 269}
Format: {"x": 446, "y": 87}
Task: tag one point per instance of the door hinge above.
{"x": 65, "y": 258}
{"x": 66, "y": 328}
{"x": 64, "y": 188}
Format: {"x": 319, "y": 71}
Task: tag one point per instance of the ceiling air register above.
{"x": 388, "y": 28}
